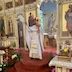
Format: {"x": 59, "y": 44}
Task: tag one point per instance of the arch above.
{"x": 49, "y": 8}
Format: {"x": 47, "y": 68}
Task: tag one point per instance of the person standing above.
{"x": 34, "y": 39}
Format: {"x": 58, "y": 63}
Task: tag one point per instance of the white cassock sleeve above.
{"x": 41, "y": 38}
{"x": 28, "y": 38}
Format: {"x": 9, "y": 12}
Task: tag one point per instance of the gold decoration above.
{"x": 65, "y": 50}
{"x": 33, "y": 46}
{"x": 16, "y": 0}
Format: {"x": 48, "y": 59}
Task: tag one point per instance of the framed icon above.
{"x": 9, "y": 5}
{"x": 18, "y": 2}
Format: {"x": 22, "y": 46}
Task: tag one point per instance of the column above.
{"x": 16, "y": 34}
{"x": 38, "y": 10}
{"x": 58, "y": 30}
{"x": 24, "y": 28}
{"x": 5, "y": 23}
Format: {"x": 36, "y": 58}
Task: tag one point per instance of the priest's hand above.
{"x": 26, "y": 23}
{"x": 38, "y": 31}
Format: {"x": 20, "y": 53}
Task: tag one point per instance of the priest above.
{"x": 34, "y": 39}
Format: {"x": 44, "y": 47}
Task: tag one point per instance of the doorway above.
{"x": 48, "y": 15}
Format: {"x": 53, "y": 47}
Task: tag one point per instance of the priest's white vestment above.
{"x": 34, "y": 41}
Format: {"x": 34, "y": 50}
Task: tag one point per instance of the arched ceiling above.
{"x": 49, "y": 6}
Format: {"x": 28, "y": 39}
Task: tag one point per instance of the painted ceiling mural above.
{"x": 48, "y": 6}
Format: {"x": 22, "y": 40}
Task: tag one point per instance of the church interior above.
{"x": 47, "y": 23}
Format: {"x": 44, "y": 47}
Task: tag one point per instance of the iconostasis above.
{"x": 10, "y": 12}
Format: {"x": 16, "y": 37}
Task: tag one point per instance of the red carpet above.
{"x": 50, "y": 49}
{"x": 28, "y": 65}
